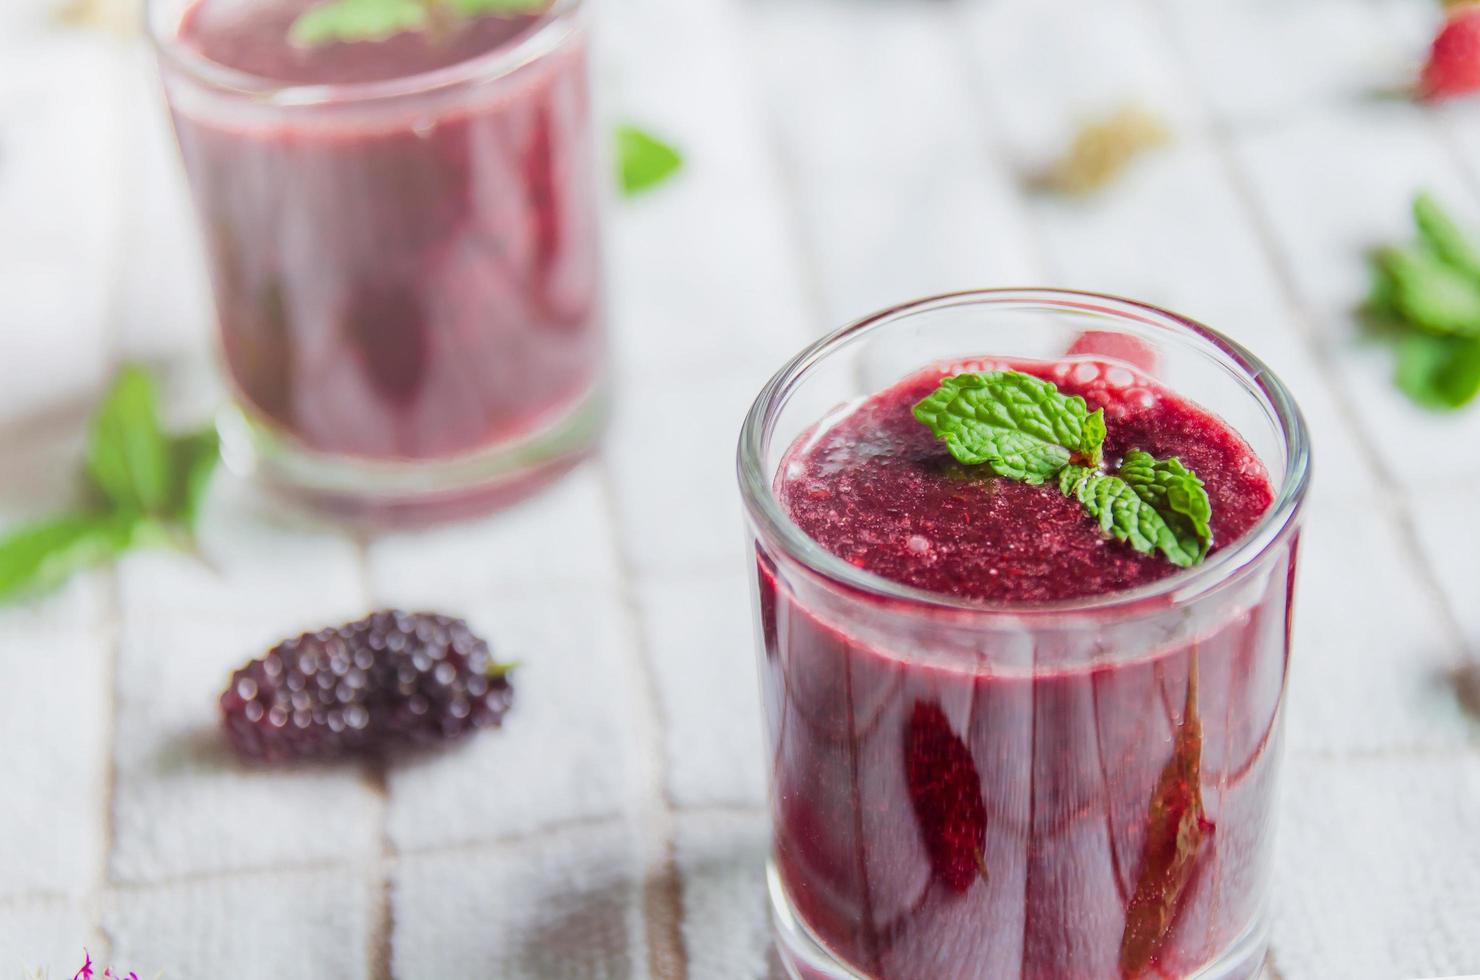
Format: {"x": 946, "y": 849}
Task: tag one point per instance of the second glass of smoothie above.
{"x": 1004, "y": 744}
{"x": 403, "y": 242}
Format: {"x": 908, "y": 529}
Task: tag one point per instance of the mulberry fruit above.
{"x": 391, "y": 679}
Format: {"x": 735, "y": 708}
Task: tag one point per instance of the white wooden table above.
{"x": 843, "y": 154}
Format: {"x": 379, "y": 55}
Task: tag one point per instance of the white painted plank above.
{"x": 704, "y": 274}
{"x": 1444, "y": 517}
{"x": 1263, "y": 60}
{"x": 53, "y": 727}
{"x": 566, "y": 751}
{"x": 259, "y": 561}
{"x": 184, "y": 804}
{"x": 877, "y": 123}
{"x": 45, "y": 935}
{"x": 1377, "y": 869}
{"x": 60, "y": 199}
{"x": 291, "y": 926}
{"x": 672, "y": 458}
{"x": 863, "y": 89}
{"x": 559, "y": 537}
{"x": 702, "y": 650}
{"x": 726, "y": 927}
{"x": 1370, "y": 651}
{"x": 564, "y": 906}
{"x": 1050, "y": 67}
{"x": 164, "y": 306}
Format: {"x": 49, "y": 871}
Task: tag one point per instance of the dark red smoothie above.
{"x": 1038, "y": 800}
{"x": 404, "y": 276}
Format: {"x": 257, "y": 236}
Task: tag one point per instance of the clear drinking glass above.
{"x": 1086, "y": 724}
{"x": 406, "y": 267}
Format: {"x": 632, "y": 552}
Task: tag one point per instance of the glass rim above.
{"x": 558, "y": 23}
{"x": 1184, "y": 585}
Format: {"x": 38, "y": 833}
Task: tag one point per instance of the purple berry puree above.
{"x": 414, "y": 277}
{"x": 1030, "y": 801}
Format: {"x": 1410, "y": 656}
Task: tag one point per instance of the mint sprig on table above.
{"x": 145, "y": 487}
{"x": 1427, "y": 296}
{"x": 643, "y": 160}
{"x": 378, "y": 20}
{"x": 1023, "y": 428}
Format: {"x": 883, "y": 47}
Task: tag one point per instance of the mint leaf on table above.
{"x": 1018, "y": 425}
{"x": 1444, "y": 237}
{"x": 128, "y": 456}
{"x": 357, "y": 20}
{"x": 1425, "y": 297}
{"x": 149, "y": 490}
{"x": 1440, "y": 373}
{"x": 1429, "y": 293}
{"x": 42, "y": 556}
{"x": 193, "y": 461}
{"x": 643, "y": 160}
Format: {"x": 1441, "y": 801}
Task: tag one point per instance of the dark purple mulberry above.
{"x": 390, "y": 679}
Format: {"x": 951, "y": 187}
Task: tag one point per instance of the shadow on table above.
{"x": 718, "y": 914}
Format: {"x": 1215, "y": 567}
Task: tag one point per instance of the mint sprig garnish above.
{"x": 379, "y": 20}
{"x": 643, "y": 160}
{"x": 1023, "y": 428}
{"x": 1018, "y": 425}
{"x": 1151, "y": 504}
{"x": 145, "y": 485}
{"x": 1426, "y": 297}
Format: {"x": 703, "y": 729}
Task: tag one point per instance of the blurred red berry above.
{"x": 947, "y": 795}
{"x": 1454, "y": 62}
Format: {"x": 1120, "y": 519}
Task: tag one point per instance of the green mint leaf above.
{"x": 1381, "y": 304}
{"x": 1444, "y": 237}
{"x": 644, "y": 161}
{"x": 1440, "y": 373}
{"x": 128, "y": 455}
{"x": 1126, "y": 516}
{"x": 1177, "y": 495}
{"x": 1458, "y": 381}
{"x": 39, "y": 557}
{"x": 357, "y": 20}
{"x": 1429, "y": 293}
{"x": 193, "y": 461}
{"x": 477, "y": 8}
{"x": 1019, "y": 425}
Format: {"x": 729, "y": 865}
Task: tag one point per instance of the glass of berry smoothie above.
{"x": 401, "y": 221}
{"x": 1023, "y": 569}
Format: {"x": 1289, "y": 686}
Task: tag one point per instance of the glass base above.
{"x": 410, "y": 492}
{"x": 805, "y": 957}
